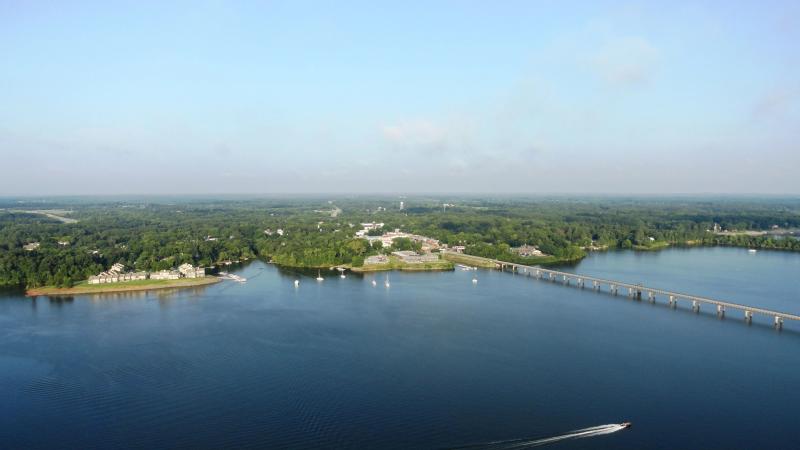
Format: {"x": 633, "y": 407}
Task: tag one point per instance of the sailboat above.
{"x": 386, "y": 283}
{"x": 374, "y": 283}
{"x": 319, "y": 276}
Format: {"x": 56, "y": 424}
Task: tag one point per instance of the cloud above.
{"x": 430, "y": 137}
{"x": 775, "y": 102}
{"x": 626, "y": 61}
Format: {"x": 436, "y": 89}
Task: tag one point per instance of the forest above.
{"x": 160, "y": 233}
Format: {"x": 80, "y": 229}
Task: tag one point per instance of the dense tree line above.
{"x": 163, "y": 233}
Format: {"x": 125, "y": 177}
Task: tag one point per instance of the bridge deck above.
{"x": 655, "y": 291}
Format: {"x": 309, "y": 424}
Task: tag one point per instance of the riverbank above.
{"x": 478, "y": 261}
{"x": 655, "y": 246}
{"x": 469, "y": 260}
{"x": 139, "y": 285}
{"x": 396, "y": 264}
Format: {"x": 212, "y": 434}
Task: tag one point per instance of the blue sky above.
{"x": 522, "y": 97}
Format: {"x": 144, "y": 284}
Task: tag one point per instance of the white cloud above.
{"x": 626, "y": 61}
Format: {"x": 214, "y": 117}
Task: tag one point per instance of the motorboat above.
{"x": 626, "y": 424}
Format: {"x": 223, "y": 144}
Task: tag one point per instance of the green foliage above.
{"x": 161, "y": 234}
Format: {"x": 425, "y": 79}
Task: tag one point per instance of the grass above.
{"x": 84, "y": 287}
{"x": 396, "y": 264}
{"x": 469, "y": 260}
{"x": 658, "y": 245}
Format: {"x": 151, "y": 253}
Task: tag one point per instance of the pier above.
{"x": 636, "y": 291}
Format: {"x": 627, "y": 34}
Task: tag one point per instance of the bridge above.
{"x": 636, "y": 290}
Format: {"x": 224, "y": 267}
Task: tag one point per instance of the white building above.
{"x": 189, "y": 271}
{"x": 165, "y": 275}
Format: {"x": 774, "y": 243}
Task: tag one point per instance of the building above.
{"x": 189, "y": 271}
{"x": 367, "y": 227}
{"x": 527, "y": 250}
{"x": 114, "y": 277}
{"x": 458, "y": 248}
{"x": 376, "y": 259}
{"x": 388, "y": 238}
{"x": 165, "y": 275}
{"x": 117, "y": 268}
{"x": 408, "y": 256}
{"x": 31, "y": 246}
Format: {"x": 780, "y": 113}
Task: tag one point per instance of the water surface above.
{"x": 433, "y": 361}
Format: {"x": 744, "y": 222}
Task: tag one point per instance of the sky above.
{"x": 523, "y": 97}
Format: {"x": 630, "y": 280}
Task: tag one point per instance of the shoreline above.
{"x": 123, "y": 287}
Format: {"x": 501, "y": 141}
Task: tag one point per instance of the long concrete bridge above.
{"x": 637, "y": 290}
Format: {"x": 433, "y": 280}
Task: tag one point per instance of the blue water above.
{"x": 433, "y": 361}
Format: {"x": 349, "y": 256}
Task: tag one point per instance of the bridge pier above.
{"x": 638, "y": 294}
{"x": 651, "y": 296}
{"x": 673, "y": 302}
{"x": 721, "y": 311}
{"x": 695, "y": 306}
{"x": 630, "y": 292}
{"x": 779, "y": 322}
{"x": 748, "y": 317}
{"x": 565, "y": 279}
{"x": 580, "y": 283}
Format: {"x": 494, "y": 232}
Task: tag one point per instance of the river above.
{"x": 433, "y": 361}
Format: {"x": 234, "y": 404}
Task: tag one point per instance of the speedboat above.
{"x": 626, "y": 424}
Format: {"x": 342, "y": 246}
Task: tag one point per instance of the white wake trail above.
{"x": 575, "y": 434}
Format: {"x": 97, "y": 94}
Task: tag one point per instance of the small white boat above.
{"x": 386, "y": 283}
{"x": 342, "y": 275}
{"x": 474, "y": 281}
{"x": 319, "y": 276}
{"x": 751, "y": 250}
{"x": 296, "y": 283}
{"x": 374, "y": 283}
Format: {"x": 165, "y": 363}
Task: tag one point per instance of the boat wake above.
{"x": 529, "y": 443}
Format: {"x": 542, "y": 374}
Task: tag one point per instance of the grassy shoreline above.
{"x": 125, "y": 286}
{"x": 395, "y": 264}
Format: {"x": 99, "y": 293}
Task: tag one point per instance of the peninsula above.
{"x": 127, "y": 286}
